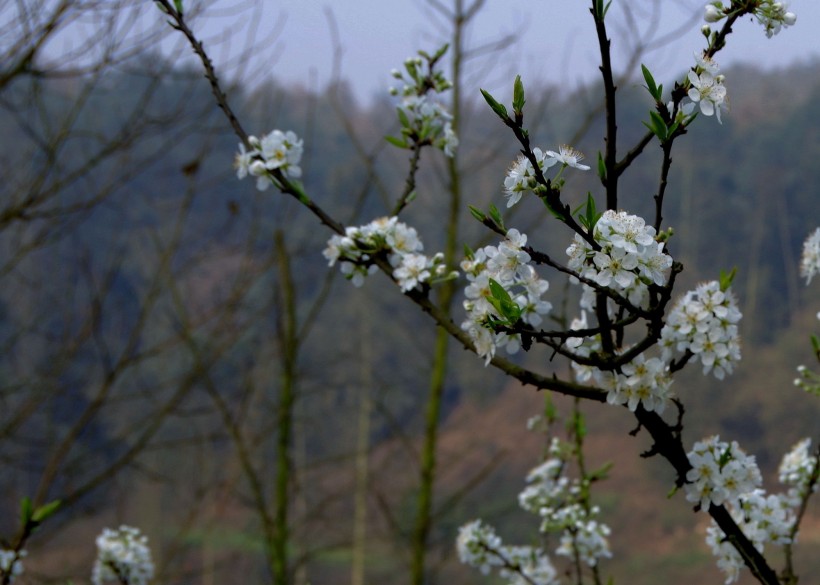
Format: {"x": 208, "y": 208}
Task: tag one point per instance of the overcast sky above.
{"x": 556, "y": 38}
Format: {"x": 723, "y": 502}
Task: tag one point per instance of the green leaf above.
{"x": 726, "y": 279}
{"x": 396, "y": 141}
{"x": 673, "y": 128}
{"x": 469, "y": 254}
{"x": 499, "y": 109}
{"x": 45, "y": 511}
{"x": 815, "y": 344}
{"x": 577, "y": 210}
{"x": 659, "y": 125}
{"x": 601, "y": 9}
{"x": 25, "y": 510}
{"x": 591, "y": 215}
{"x": 412, "y": 70}
{"x": 477, "y": 213}
{"x": 554, "y": 212}
{"x": 601, "y": 166}
{"x": 600, "y": 473}
{"x": 651, "y": 87}
{"x": 503, "y": 303}
{"x": 496, "y": 216}
{"x": 403, "y": 119}
{"x": 178, "y": 6}
{"x": 440, "y": 53}
{"x": 518, "y": 95}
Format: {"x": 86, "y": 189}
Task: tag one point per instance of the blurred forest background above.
{"x": 169, "y": 335}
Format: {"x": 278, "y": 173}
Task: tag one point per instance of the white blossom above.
{"x": 797, "y": 466}
{"x": 123, "y": 556}
{"x": 400, "y": 243}
{"x": 708, "y": 92}
{"x": 721, "y": 473}
{"x": 277, "y": 150}
{"x": 713, "y": 13}
{"x": 704, "y": 321}
{"x": 810, "y": 259}
{"x": 508, "y": 264}
{"x": 426, "y": 116}
{"x": 11, "y": 564}
{"x": 477, "y": 545}
{"x": 568, "y": 156}
{"x": 521, "y": 176}
{"x": 774, "y": 16}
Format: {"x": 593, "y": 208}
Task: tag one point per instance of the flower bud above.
{"x": 706, "y": 30}
{"x": 789, "y": 18}
{"x": 713, "y": 14}
{"x": 257, "y": 168}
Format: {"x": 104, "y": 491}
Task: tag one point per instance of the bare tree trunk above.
{"x": 357, "y": 574}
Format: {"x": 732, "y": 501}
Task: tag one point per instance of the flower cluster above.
{"x": 387, "y": 235}
{"x": 630, "y": 259}
{"x": 644, "y": 381}
{"x": 765, "y": 518}
{"x": 11, "y": 564}
{"x": 704, "y": 322}
{"x": 507, "y": 266}
{"x": 521, "y": 176}
{"x": 277, "y": 150}
{"x": 423, "y": 118}
{"x": 641, "y": 381}
{"x": 762, "y": 518}
{"x": 556, "y": 499}
{"x": 479, "y": 546}
{"x": 810, "y": 260}
{"x": 774, "y": 16}
{"x": 123, "y": 556}
{"x": 798, "y": 467}
{"x": 721, "y": 473}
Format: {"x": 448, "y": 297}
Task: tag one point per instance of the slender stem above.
{"x": 665, "y": 166}
{"x": 410, "y": 182}
{"x": 610, "y": 155}
{"x": 289, "y": 346}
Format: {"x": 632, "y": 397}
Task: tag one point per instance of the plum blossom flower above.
{"x": 521, "y": 176}
{"x": 568, "y": 156}
{"x": 708, "y": 91}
